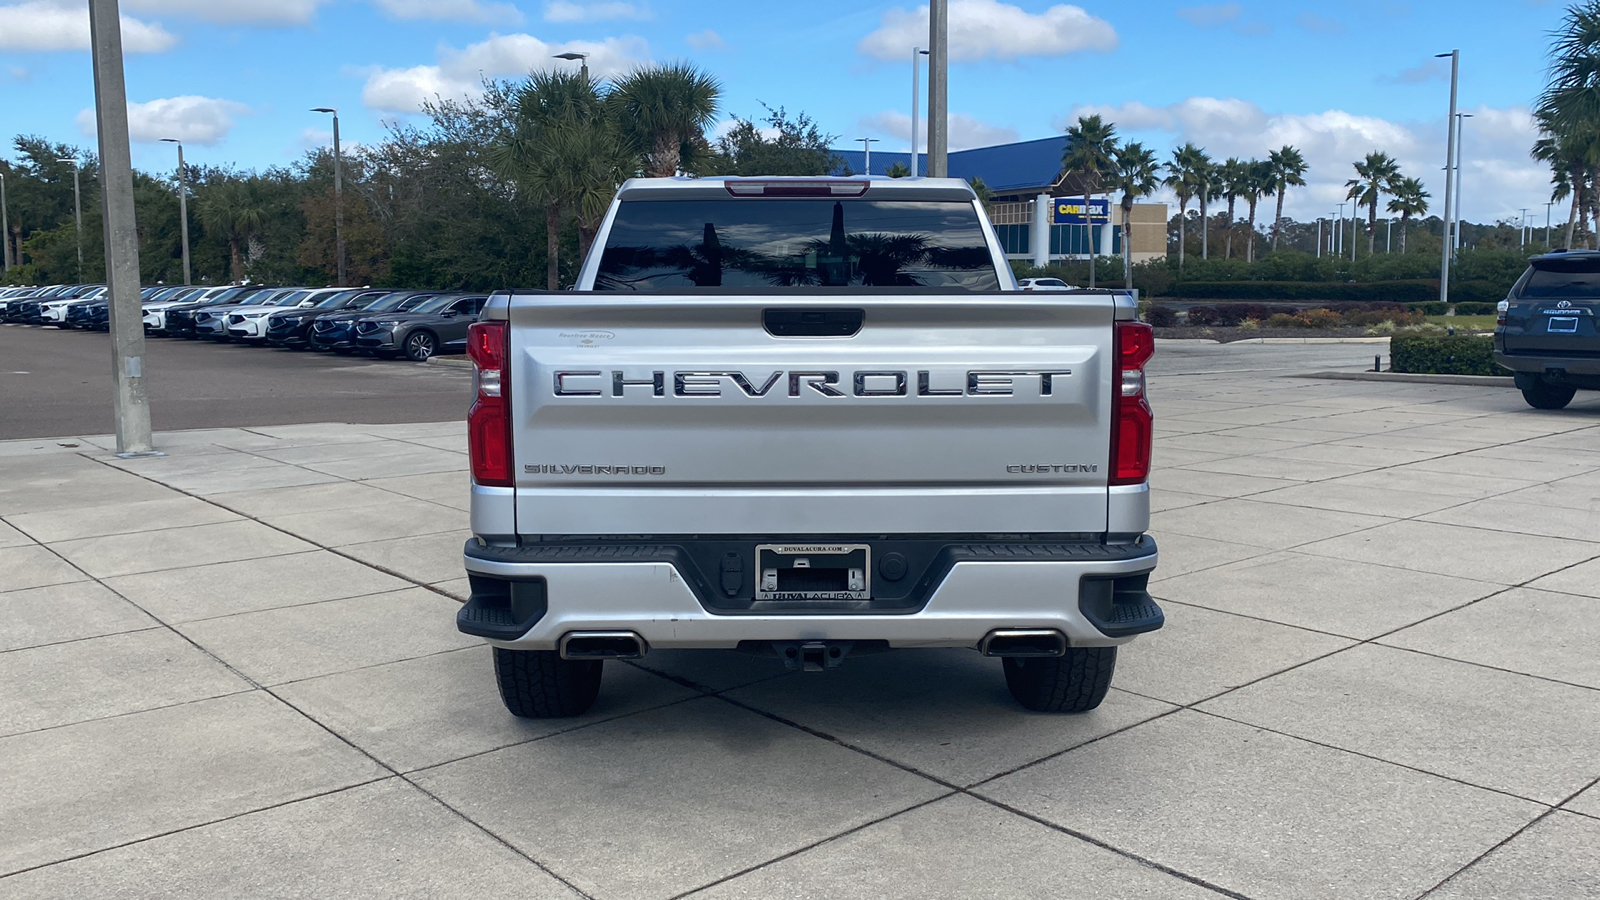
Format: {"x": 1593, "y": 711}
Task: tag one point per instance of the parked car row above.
{"x": 375, "y": 321}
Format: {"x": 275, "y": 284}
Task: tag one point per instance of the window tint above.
{"x": 747, "y": 242}
{"x": 1576, "y": 277}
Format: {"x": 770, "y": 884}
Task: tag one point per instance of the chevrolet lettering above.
{"x": 787, "y": 417}
{"x": 868, "y": 383}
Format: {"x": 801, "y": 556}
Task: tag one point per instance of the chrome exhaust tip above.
{"x": 601, "y": 645}
{"x": 1024, "y": 642}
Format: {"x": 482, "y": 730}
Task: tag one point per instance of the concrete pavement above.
{"x": 233, "y": 672}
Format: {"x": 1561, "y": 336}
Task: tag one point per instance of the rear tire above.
{"x": 1076, "y": 682}
{"x": 539, "y": 684}
{"x": 1544, "y": 395}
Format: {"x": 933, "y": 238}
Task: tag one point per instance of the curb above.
{"x": 1409, "y": 378}
{"x": 450, "y": 363}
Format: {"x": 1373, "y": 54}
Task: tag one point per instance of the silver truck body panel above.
{"x": 653, "y": 600}
{"x": 950, "y": 413}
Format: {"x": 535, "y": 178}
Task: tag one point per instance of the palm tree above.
{"x": 1571, "y": 98}
{"x": 1409, "y": 200}
{"x": 1573, "y": 156}
{"x": 667, "y": 108}
{"x": 1288, "y": 170}
{"x": 1258, "y": 183}
{"x": 1207, "y": 186}
{"x": 564, "y": 151}
{"x": 234, "y": 209}
{"x": 1180, "y": 177}
{"x": 1234, "y": 176}
{"x": 1137, "y": 175}
{"x": 1375, "y": 175}
{"x": 1090, "y": 153}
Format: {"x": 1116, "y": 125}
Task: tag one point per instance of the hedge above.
{"x": 1350, "y": 292}
{"x": 1420, "y": 290}
{"x": 1434, "y": 354}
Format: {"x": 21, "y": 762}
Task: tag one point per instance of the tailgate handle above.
{"x": 813, "y": 322}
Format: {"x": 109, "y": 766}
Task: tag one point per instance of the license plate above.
{"x": 814, "y": 572}
{"x": 1562, "y": 325}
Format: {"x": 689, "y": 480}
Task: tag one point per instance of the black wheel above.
{"x": 1542, "y": 394}
{"x": 420, "y": 345}
{"x": 1076, "y": 682}
{"x": 539, "y": 684}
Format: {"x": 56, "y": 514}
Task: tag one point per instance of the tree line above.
{"x": 502, "y": 190}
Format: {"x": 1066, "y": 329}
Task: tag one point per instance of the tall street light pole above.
{"x": 183, "y": 206}
{"x": 916, "y": 101}
{"x": 77, "y": 210}
{"x": 1522, "y": 229}
{"x": 338, "y": 194}
{"x": 1319, "y": 237}
{"x": 939, "y": 88}
{"x": 866, "y": 143}
{"x": 583, "y": 64}
{"x": 1449, "y": 175}
{"x": 1338, "y": 241}
{"x": 5, "y": 227}
{"x": 1461, "y": 118}
{"x": 126, "y": 320}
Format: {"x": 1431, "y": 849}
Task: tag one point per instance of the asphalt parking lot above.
{"x": 232, "y": 671}
{"x": 55, "y": 382}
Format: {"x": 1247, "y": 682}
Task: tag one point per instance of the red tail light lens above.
{"x": 489, "y": 420}
{"x": 1132, "y": 421}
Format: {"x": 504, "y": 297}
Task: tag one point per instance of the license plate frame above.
{"x": 1561, "y": 325}
{"x": 780, "y": 566}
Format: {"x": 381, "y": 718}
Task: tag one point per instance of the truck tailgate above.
{"x": 940, "y": 414}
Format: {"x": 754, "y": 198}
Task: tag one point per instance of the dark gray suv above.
{"x": 1546, "y": 334}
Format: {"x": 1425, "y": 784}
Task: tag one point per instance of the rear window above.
{"x": 1578, "y": 277}
{"x": 746, "y": 242}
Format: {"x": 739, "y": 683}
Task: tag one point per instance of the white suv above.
{"x": 249, "y": 323}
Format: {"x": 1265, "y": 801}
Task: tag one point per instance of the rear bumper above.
{"x": 1541, "y": 363}
{"x": 528, "y": 598}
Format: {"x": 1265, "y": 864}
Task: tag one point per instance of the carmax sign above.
{"x": 1069, "y": 211}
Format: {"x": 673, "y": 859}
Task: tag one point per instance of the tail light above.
{"x": 1132, "y": 422}
{"x": 489, "y": 420}
{"x": 1500, "y": 312}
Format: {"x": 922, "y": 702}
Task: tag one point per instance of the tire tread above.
{"x": 1076, "y": 682}
{"x": 539, "y": 684}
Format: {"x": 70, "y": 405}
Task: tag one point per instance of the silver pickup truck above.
{"x": 808, "y": 418}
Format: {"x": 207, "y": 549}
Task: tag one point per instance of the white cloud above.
{"x": 459, "y": 73}
{"x": 451, "y": 10}
{"x": 988, "y": 29}
{"x": 566, "y": 11}
{"x": 193, "y": 120}
{"x": 268, "y": 12}
{"x": 1499, "y": 176}
{"x": 57, "y": 25}
{"x": 965, "y": 131}
{"x": 1210, "y": 16}
{"x": 705, "y": 40}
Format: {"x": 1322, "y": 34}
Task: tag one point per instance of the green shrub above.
{"x": 1284, "y": 320}
{"x": 1415, "y": 291}
{"x": 1475, "y": 309}
{"x": 1204, "y": 315}
{"x": 1433, "y": 308}
{"x": 1478, "y": 291}
{"x": 1442, "y": 355}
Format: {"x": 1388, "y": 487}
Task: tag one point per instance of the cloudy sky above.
{"x": 234, "y": 78}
